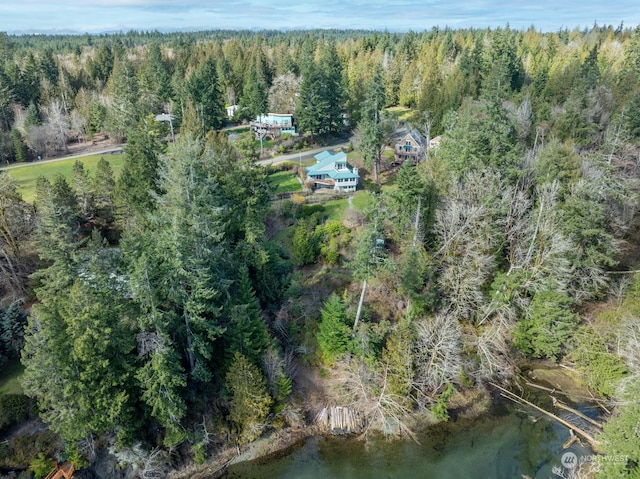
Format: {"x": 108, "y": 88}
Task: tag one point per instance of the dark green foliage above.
{"x": 502, "y": 67}
{"x": 41, "y": 466}
{"x": 573, "y": 124}
{"x": 371, "y": 123}
{"x": 14, "y": 409}
{"x": 83, "y": 188}
{"x": 557, "y": 162}
{"x": 204, "y": 92}
{"x": 271, "y": 279}
{"x": 439, "y": 410}
{"x": 6, "y": 98}
{"x": 332, "y": 236}
{"x": 585, "y": 223}
{"x": 250, "y": 402}
{"x": 416, "y": 279}
{"x": 103, "y": 189}
{"x": 23, "y": 449}
{"x": 122, "y": 118}
{"x": 246, "y": 333}
{"x": 162, "y": 381}
{"x": 371, "y": 250}
{"x": 308, "y": 211}
{"x": 12, "y": 323}
{"x": 33, "y": 116}
{"x": 154, "y": 80}
{"x": 548, "y": 325}
{"x": 620, "y": 438}
{"x": 20, "y": 149}
{"x": 412, "y": 197}
{"x": 81, "y": 335}
{"x": 254, "y": 97}
{"x": 7, "y": 152}
{"x": 138, "y": 180}
{"x": 397, "y": 359}
{"x": 334, "y": 336}
{"x": 101, "y": 65}
{"x": 141, "y": 347}
{"x": 480, "y": 136}
{"x": 602, "y": 369}
{"x": 305, "y": 248}
{"x": 321, "y": 98}
{"x": 57, "y": 230}
{"x": 631, "y": 117}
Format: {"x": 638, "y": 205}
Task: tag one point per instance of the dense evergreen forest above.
{"x": 179, "y": 307}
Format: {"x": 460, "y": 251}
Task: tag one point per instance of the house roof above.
{"x": 326, "y": 165}
{"x": 326, "y": 161}
{"x": 323, "y": 156}
{"x": 418, "y": 137}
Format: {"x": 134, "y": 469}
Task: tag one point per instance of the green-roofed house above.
{"x": 332, "y": 171}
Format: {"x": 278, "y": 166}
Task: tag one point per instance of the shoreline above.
{"x": 470, "y": 404}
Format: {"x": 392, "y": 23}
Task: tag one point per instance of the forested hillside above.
{"x": 180, "y": 306}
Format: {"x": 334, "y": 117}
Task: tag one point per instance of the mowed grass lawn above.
{"x": 284, "y": 182}
{"x": 27, "y": 175}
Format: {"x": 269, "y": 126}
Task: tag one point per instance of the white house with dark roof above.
{"x": 332, "y": 171}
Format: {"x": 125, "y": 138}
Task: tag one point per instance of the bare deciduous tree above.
{"x": 469, "y": 230}
{"x": 493, "y": 351}
{"x": 363, "y": 388}
{"x": 79, "y": 124}
{"x": 437, "y": 351}
{"x": 283, "y": 94}
{"x": 51, "y": 135}
{"x": 57, "y": 122}
{"x": 17, "y": 220}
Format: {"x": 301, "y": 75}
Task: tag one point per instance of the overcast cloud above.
{"x": 108, "y": 15}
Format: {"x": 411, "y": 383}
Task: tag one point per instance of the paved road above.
{"x": 115, "y": 149}
{"x": 271, "y": 161}
{"x": 300, "y": 155}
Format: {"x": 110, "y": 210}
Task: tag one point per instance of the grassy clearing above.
{"x": 402, "y": 113}
{"x": 10, "y": 374}
{"x": 27, "y": 175}
{"x": 361, "y": 201}
{"x": 335, "y": 209}
{"x": 284, "y": 182}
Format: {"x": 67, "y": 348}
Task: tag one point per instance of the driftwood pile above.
{"x": 339, "y": 420}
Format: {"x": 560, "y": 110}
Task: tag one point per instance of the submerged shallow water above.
{"x": 509, "y": 443}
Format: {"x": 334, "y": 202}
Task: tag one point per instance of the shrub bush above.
{"x": 14, "y": 409}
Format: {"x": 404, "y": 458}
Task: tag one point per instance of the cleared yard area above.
{"x": 284, "y": 182}
{"x": 27, "y": 175}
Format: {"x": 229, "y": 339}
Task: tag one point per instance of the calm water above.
{"x": 509, "y": 443}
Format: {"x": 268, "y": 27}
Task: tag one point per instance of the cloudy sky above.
{"x": 394, "y": 15}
